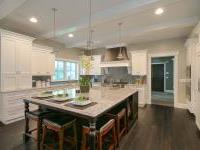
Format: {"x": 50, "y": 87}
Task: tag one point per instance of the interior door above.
{"x": 157, "y": 77}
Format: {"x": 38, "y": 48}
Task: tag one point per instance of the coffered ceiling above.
{"x": 140, "y": 24}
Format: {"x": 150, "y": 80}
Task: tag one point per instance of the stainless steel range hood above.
{"x": 110, "y": 57}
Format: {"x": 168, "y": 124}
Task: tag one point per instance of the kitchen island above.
{"x": 104, "y": 99}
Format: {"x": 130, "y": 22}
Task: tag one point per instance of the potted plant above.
{"x": 86, "y": 64}
{"x": 84, "y": 82}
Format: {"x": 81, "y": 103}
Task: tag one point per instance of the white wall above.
{"x": 165, "y": 46}
{"x": 71, "y": 53}
{"x": 63, "y": 52}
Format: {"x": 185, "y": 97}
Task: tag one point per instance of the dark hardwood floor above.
{"x": 158, "y": 128}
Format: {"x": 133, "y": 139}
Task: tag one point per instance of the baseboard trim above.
{"x": 198, "y": 124}
{"x": 189, "y": 107}
{"x": 142, "y": 105}
{"x": 181, "y": 105}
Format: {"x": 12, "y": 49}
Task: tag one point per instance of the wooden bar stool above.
{"x": 36, "y": 116}
{"x": 62, "y": 126}
{"x": 121, "y": 121}
{"x": 106, "y": 135}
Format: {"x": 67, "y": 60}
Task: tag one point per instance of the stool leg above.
{"x": 39, "y": 128}
{"x": 92, "y": 135}
{"x": 85, "y": 133}
{"x": 100, "y": 142}
{"x": 114, "y": 138}
{"x": 26, "y": 122}
{"x": 118, "y": 131}
{"x": 75, "y": 136}
{"x": 61, "y": 139}
{"x": 43, "y": 137}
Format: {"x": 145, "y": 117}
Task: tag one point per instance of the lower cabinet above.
{"x": 142, "y": 95}
{"x": 12, "y": 106}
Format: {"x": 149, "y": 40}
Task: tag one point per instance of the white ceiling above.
{"x": 139, "y": 22}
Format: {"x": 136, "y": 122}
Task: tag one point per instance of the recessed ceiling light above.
{"x": 159, "y": 11}
{"x": 70, "y": 35}
{"x": 33, "y": 19}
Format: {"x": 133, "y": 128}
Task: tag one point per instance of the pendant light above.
{"x": 90, "y": 31}
{"x": 120, "y": 56}
{"x": 54, "y": 27}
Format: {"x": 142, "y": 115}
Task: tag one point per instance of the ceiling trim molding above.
{"x": 186, "y": 22}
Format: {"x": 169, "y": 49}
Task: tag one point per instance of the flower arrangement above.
{"x": 86, "y": 64}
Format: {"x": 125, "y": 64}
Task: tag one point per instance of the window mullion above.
{"x": 64, "y": 70}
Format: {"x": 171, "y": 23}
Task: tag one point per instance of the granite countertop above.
{"x": 105, "y": 97}
{"x": 40, "y": 88}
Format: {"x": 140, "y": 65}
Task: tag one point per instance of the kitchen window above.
{"x": 66, "y": 70}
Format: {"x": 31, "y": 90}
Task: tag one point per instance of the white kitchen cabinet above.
{"x": 8, "y": 54}
{"x": 43, "y": 61}
{"x": 15, "y": 60}
{"x": 24, "y": 81}
{"x": 12, "y": 106}
{"x": 96, "y": 69}
{"x": 139, "y": 62}
{"x": 8, "y": 82}
{"x": 142, "y": 96}
{"x": 23, "y": 57}
{"x": 197, "y": 100}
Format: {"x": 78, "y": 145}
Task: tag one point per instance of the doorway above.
{"x": 162, "y": 84}
{"x": 157, "y": 75}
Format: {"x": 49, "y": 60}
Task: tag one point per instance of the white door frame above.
{"x": 167, "y": 54}
{"x": 164, "y": 64}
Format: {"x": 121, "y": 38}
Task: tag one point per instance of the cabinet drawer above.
{"x": 15, "y": 108}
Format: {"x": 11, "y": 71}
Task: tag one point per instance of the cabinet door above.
{"x": 50, "y": 63}
{"x": 23, "y": 57}
{"x": 42, "y": 62}
{"x": 23, "y": 81}
{"x": 135, "y": 64}
{"x": 139, "y": 63}
{"x": 38, "y": 62}
{"x": 8, "y": 56}
{"x": 96, "y": 69}
{"x": 35, "y": 62}
{"x": 8, "y": 82}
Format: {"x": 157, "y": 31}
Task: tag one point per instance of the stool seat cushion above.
{"x": 59, "y": 121}
{"x": 39, "y": 112}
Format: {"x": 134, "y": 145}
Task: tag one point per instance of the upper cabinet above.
{"x": 96, "y": 69}
{"x": 139, "y": 62}
{"x": 15, "y": 61}
{"x": 43, "y": 61}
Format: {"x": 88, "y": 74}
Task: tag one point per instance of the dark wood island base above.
{"x": 106, "y": 101}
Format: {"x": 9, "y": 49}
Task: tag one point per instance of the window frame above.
{"x": 65, "y": 69}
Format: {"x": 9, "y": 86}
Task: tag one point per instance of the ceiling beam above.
{"x": 186, "y": 22}
{"x": 7, "y": 6}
